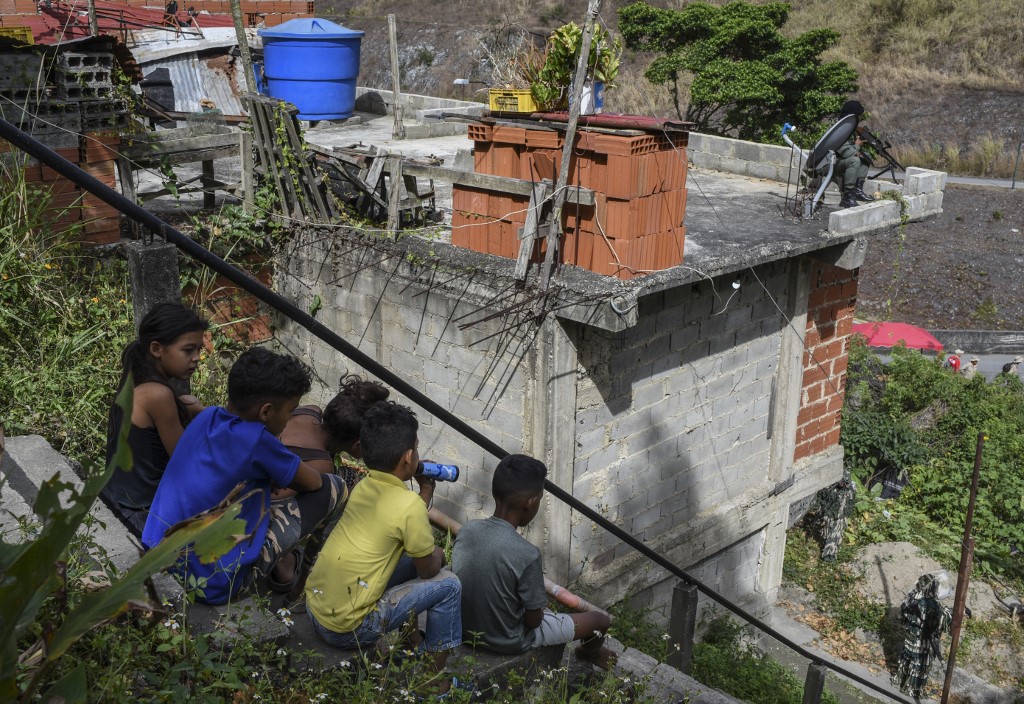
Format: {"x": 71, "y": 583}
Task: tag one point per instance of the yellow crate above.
{"x": 511, "y": 100}
{"x": 21, "y": 34}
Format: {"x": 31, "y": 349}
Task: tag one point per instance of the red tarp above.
{"x": 891, "y": 334}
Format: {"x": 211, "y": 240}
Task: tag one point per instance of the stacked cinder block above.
{"x": 636, "y": 223}
{"x": 830, "y": 307}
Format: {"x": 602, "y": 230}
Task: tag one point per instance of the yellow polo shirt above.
{"x": 382, "y": 520}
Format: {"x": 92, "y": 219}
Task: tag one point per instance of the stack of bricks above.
{"x": 101, "y": 223}
{"x": 833, "y": 294}
{"x": 68, "y": 206}
{"x": 635, "y": 225}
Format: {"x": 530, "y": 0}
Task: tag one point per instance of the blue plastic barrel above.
{"x": 313, "y": 64}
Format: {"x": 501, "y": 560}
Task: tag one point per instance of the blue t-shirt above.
{"x": 216, "y": 452}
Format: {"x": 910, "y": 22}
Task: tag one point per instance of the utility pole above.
{"x": 243, "y": 46}
{"x": 963, "y": 574}
{"x": 398, "y": 132}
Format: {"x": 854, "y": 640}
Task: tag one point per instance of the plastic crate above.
{"x": 20, "y": 34}
{"x": 511, "y": 100}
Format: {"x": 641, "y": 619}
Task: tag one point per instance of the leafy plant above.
{"x": 35, "y": 571}
{"x": 550, "y": 83}
{"x": 747, "y": 77}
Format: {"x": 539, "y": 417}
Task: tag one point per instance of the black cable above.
{"x": 107, "y": 194}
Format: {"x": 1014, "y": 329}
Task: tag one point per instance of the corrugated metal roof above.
{"x": 196, "y": 78}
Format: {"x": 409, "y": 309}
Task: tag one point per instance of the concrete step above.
{"x": 664, "y": 682}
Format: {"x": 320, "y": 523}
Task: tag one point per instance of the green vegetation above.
{"x": 726, "y": 661}
{"x": 550, "y": 75}
{"x": 747, "y": 77}
{"x": 914, "y": 416}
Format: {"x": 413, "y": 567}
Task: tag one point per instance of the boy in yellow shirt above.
{"x": 380, "y": 564}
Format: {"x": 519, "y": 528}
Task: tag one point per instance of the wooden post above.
{"x": 555, "y": 224}
{"x": 682, "y": 624}
{"x": 964, "y": 573}
{"x": 814, "y": 685}
{"x": 208, "y": 180}
{"x": 395, "y": 194}
{"x": 94, "y": 25}
{"x": 243, "y": 46}
{"x": 396, "y": 90}
{"x": 248, "y": 183}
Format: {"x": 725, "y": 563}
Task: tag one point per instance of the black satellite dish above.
{"x": 834, "y": 137}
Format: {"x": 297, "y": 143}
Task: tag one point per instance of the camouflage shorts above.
{"x": 308, "y": 514}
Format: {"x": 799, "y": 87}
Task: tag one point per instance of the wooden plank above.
{"x": 140, "y": 149}
{"x": 540, "y": 194}
{"x": 573, "y": 194}
{"x": 262, "y": 132}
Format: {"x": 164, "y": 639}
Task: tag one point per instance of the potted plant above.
{"x": 550, "y": 80}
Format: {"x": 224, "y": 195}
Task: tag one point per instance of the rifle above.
{"x": 881, "y": 148}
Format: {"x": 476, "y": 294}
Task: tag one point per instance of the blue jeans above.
{"x": 440, "y": 596}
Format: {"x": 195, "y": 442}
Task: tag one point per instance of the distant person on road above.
{"x": 1011, "y": 366}
{"x": 971, "y": 368}
{"x": 953, "y": 361}
{"x": 853, "y": 161}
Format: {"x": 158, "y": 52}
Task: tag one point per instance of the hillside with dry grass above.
{"x": 943, "y": 79}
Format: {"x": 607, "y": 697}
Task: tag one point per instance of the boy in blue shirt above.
{"x": 224, "y": 447}
{"x": 502, "y": 577}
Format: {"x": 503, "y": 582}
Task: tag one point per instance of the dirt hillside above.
{"x": 961, "y": 269}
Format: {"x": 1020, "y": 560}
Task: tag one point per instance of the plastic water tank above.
{"x": 313, "y": 64}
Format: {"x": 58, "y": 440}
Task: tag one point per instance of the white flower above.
{"x": 377, "y": 666}
{"x": 316, "y": 591}
{"x": 666, "y": 636}
{"x": 287, "y": 621}
{"x": 282, "y": 652}
{"x": 283, "y": 613}
{"x": 345, "y": 663}
{"x": 171, "y": 624}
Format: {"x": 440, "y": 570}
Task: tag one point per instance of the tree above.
{"x": 747, "y": 78}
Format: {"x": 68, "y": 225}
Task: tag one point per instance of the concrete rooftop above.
{"x": 732, "y": 222}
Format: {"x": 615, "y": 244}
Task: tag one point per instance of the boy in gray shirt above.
{"x": 502, "y": 577}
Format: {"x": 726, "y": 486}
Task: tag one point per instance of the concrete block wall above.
{"x": 737, "y": 156}
{"x": 665, "y": 428}
{"x": 672, "y": 420}
{"x": 383, "y": 303}
{"x": 830, "y": 307}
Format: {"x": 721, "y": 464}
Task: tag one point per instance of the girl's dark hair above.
{"x": 343, "y": 416}
{"x": 164, "y": 323}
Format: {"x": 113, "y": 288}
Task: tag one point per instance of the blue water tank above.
{"x": 313, "y": 64}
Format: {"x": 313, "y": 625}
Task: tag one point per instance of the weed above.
{"x": 997, "y": 215}
{"x": 724, "y": 661}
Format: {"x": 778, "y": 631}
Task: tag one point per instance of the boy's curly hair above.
{"x": 388, "y": 432}
{"x": 260, "y": 376}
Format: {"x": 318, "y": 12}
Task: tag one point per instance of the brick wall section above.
{"x": 830, "y": 306}
{"x": 672, "y": 415}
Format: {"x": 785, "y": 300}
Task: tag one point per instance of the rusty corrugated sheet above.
{"x": 194, "y": 78}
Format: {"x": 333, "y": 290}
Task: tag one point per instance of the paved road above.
{"x": 988, "y": 364}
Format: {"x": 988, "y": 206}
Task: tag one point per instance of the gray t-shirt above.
{"x": 502, "y": 576}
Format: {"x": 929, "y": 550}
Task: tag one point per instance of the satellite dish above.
{"x": 834, "y": 137}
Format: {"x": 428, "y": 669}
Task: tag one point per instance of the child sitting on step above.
{"x": 223, "y": 447}
{"x": 168, "y": 346}
{"x": 503, "y": 595}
